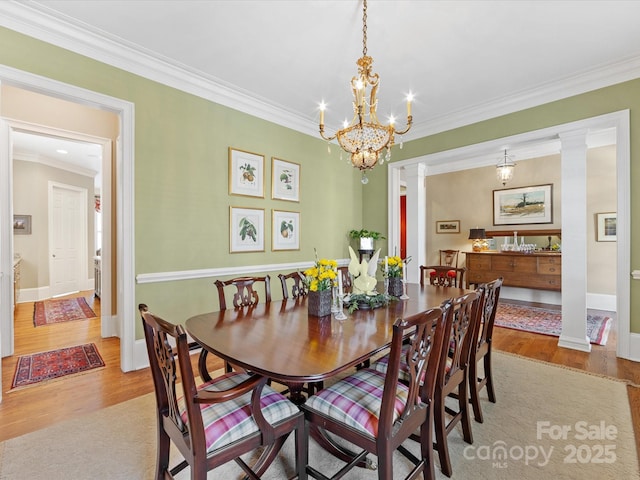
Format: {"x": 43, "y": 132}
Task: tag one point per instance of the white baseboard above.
{"x": 530, "y": 295}
{"x": 33, "y": 294}
{"x": 596, "y": 301}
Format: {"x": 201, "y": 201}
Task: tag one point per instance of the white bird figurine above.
{"x": 364, "y": 273}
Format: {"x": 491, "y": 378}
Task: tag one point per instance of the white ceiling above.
{"x": 464, "y": 60}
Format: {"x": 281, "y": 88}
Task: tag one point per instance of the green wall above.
{"x": 181, "y": 178}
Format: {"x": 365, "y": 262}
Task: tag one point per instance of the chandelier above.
{"x": 365, "y": 137}
{"x": 505, "y": 168}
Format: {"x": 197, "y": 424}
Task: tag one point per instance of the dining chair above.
{"x": 377, "y": 412}
{"x": 298, "y": 287}
{"x": 346, "y": 279}
{"x": 482, "y": 352}
{"x": 449, "y": 258}
{"x": 218, "y": 421}
{"x": 452, "y": 380}
{"x": 442, "y": 275}
{"x": 245, "y": 295}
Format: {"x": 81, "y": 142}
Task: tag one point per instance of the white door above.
{"x": 67, "y": 238}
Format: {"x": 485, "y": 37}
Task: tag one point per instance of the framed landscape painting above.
{"x": 246, "y": 232}
{"x": 285, "y": 230}
{"x": 246, "y": 173}
{"x": 524, "y": 205}
{"x": 285, "y": 180}
{"x": 448, "y": 226}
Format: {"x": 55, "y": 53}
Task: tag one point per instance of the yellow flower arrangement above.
{"x": 394, "y": 267}
{"x": 322, "y": 275}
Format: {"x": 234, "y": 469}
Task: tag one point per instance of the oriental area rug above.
{"x": 43, "y": 366}
{"x": 61, "y": 310}
{"x": 549, "y": 321}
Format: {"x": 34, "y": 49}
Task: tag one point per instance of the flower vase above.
{"x": 319, "y": 303}
{"x": 395, "y": 286}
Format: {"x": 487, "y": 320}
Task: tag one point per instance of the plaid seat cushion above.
{"x": 227, "y": 422}
{"x": 382, "y": 365}
{"x": 356, "y": 400}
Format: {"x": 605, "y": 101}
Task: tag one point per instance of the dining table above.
{"x": 282, "y": 341}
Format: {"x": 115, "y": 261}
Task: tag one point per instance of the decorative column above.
{"x": 573, "y": 167}
{"x": 416, "y": 219}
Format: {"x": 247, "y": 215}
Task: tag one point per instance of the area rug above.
{"x": 43, "y": 366}
{"x": 521, "y": 437}
{"x": 549, "y": 322}
{"x": 61, "y": 310}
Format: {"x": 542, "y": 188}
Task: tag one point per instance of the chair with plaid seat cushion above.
{"x": 452, "y": 380}
{"x": 482, "y": 352}
{"x": 218, "y": 421}
{"x": 375, "y": 411}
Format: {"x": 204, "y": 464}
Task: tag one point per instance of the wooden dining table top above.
{"x": 282, "y": 341}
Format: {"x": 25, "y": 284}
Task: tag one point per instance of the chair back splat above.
{"x": 377, "y": 412}
{"x": 218, "y": 421}
{"x": 482, "y": 352}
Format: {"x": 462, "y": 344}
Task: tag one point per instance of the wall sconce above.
{"x": 478, "y": 235}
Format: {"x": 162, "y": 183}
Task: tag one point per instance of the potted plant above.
{"x": 366, "y": 237}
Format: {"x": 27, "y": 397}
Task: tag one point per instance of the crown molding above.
{"x": 52, "y": 162}
{"x": 40, "y": 22}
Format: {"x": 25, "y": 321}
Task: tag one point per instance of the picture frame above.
{"x": 285, "y": 180}
{"x": 606, "y": 227}
{"x": 448, "y": 226}
{"x": 246, "y": 229}
{"x": 523, "y": 205}
{"x": 285, "y": 230}
{"x": 22, "y": 224}
{"x": 246, "y": 173}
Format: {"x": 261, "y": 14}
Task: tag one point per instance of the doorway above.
{"x": 573, "y": 297}
{"x": 122, "y": 319}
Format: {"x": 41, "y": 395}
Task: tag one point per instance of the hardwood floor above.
{"x": 35, "y": 407}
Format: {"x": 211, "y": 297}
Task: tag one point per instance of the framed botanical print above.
{"x": 285, "y": 180}
{"x": 246, "y": 232}
{"x": 246, "y": 173}
{"x": 285, "y": 230}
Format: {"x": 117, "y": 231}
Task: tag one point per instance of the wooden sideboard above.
{"x": 541, "y": 271}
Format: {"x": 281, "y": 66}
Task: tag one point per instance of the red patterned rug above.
{"x": 53, "y": 364}
{"x": 548, "y": 321}
{"x": 59, "y": 310}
